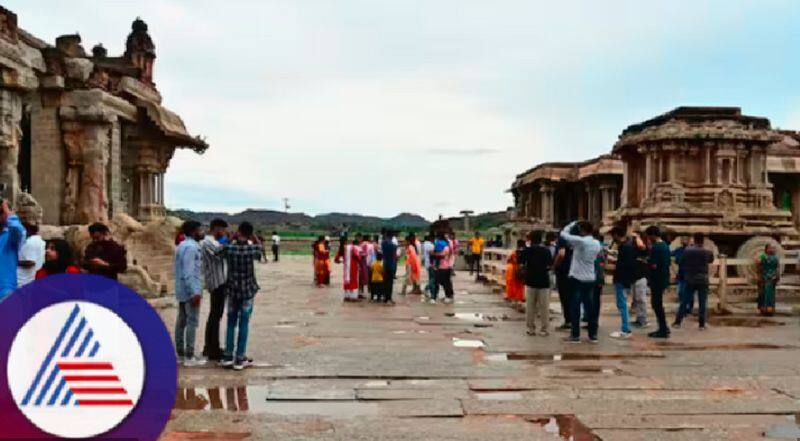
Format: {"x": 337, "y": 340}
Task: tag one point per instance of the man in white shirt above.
{"x": 31, "y": 256}
{"x": 276, "y": 245}
{"x": 582, "y": 275}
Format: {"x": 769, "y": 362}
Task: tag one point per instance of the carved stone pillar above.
{"x": 796, "y": 205}
{"x": 93, "y": 200}
{"x": 626, "y": 176}
{"x": 648, "y": 172}
{"x": 10, "y": 137}
{"x": 85, "y": 194}
{"x": 548, "y": 207}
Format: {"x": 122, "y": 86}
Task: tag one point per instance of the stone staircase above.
{"x": 156, "y": 259}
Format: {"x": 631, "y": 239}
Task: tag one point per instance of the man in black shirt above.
{"x": 536, "y": 260}
{"x": 627, "y": 272}
{"x": 561, "y": 264}
{"x": 695, "y": 261}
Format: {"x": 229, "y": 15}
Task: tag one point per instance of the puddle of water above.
{"x": 677, "y": 346}
{"x": 568, "y": 427}
{"x": 497, "y": 356}
{"x": 743, "y": 322}
{"x": 424, "y": 317}
{"x": 468, "y": 316}
{"x": 576, "y": 356}
{"x": 379, "y": 383}
{"x": 253, "y": 399}
{"x": 499, "y": 396}
{"x": 284, "y": 326}
{"x": 789, "y": 431}
{"x": 464, "y": 343}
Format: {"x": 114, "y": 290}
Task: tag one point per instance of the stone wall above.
{"x": 47, "y": 160}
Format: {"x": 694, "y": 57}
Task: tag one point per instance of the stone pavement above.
{"x": 330, "y": 370}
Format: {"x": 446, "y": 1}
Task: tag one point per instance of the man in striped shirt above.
{"x": 214, "y": 277}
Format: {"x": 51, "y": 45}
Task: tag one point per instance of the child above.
{"x": 376, "y": 279}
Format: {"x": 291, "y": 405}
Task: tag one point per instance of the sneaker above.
{"x": 703, "y": 327}
{"x": 620, "y": 335}
{"x": 593, "y": 340}
{"x": 194, "y": 361}
{"x": 448, "y": 300}
{"x": 530, "y": 332}
{"x": 544, "y": 333}
{"x": 676, "y": 325}
{"x": 572, "y": 340}
{"x": 227, "y": 361}
{"x": 180, "y": 359}
{"x": 658, "y": 334}
{"x": 640, "y": 324}
{"x": 238, "y": 365}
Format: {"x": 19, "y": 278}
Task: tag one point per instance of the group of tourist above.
{"x": 225, "y": 263}
{"x": 370, "y": 265}
{"x": 577, "y": 259}
{"x": 25, "y": 256}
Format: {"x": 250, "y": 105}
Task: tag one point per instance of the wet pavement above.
{"x": 332, "y": 370}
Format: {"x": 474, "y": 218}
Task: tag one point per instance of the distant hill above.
{"x": 482, "y": 221}
{"x": 325, "y": 221}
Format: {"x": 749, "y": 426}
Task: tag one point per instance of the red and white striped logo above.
{"x": 76, "y": 369}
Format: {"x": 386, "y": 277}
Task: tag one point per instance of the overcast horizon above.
{"x": 380, "y": 107}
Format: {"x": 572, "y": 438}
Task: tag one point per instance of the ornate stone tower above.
{"x": 140, "y": 50}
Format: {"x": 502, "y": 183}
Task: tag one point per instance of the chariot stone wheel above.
{"x": 708, "y": 244}
{"x": 751, "y": 249}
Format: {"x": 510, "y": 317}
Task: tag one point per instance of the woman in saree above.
{"x": 322, "y": 263}
{"x": 768, "y": 274}
{"x": 413, "y": 266}
{"x": 349, "y": 256}
{"x": 515, "y": 287}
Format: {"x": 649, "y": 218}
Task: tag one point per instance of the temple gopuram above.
{"x": 85, "y": 138}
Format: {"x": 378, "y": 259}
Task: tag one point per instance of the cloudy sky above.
{"x": 383, "y": 106}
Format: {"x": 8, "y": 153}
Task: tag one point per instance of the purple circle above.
{"x": 148, "y": 419}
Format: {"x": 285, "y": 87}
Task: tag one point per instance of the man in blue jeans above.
{"x": 241, "y": 288}
{"x": 585, "y": 249}
{"x": 188, "y": 293}
{"x": 625, "y": 274}
{"x": 696, "y": 260}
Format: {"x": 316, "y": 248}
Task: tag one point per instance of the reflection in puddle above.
{"x": 468, "y": 316}
{"x": 464, "y": 343}
{"x": 236, "y": 399}
{"x": 496, "y": 356}
{"x": 568, "y": 427}
{"x": 253, "y": 399}
{"x": 499, "y": 396}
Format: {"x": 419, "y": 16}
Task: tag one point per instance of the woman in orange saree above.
{"x": 515, "y": 287}
{"x": 322, "y": 263}
{"x": 413, "y": 266}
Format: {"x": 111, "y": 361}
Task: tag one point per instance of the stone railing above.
{"x": 493, "y": 266}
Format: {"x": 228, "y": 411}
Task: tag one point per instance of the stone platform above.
{"x": 328, "y": 370}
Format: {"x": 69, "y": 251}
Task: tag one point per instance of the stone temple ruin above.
{"x": 693, "y": 169}
{"x": 85, "y": 138}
